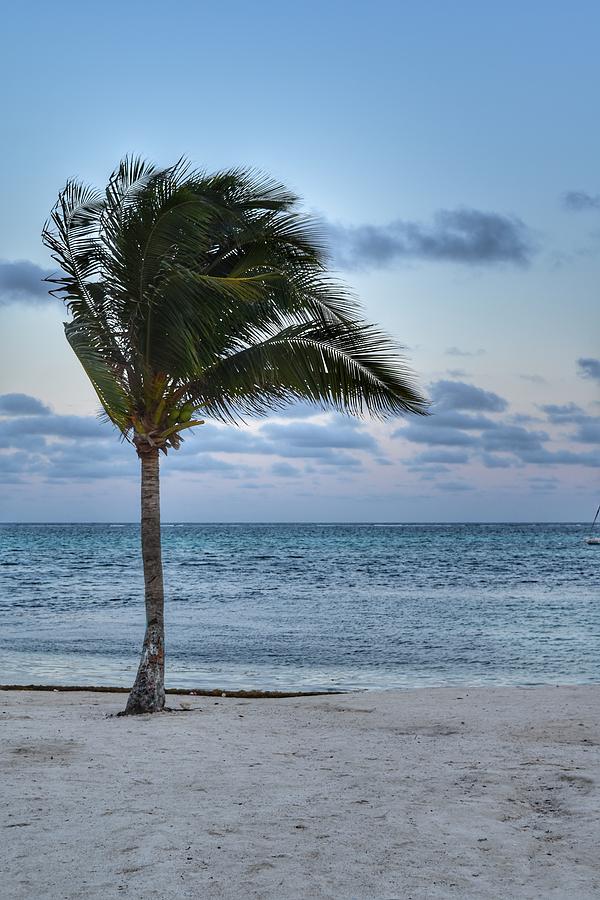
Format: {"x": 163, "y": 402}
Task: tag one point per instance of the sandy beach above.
{"x": 431, "y": 793}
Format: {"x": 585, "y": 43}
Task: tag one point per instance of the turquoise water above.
{"x": 305, "y": 606}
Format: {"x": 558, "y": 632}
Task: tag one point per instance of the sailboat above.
{"x": 592, "y": 538}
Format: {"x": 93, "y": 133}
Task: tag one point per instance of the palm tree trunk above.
{"x": 148, "y": 692}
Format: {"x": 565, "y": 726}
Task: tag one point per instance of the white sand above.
{"x": 443, "y": 793}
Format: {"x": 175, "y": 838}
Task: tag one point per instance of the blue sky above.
{"x": 452, "y": 152}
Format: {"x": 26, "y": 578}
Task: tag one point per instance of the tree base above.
{"x": 148, "y": 692}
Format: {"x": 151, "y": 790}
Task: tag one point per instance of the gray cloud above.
{"x": 441, "y": 456}
{"x": 429, "y": 470}
{"x": 454, "y": 486}
{"x": 460, "y": 395}
{"x": 466, "y": 236}
{"x": 491, "y": 461}
{"x": 49, "y": 425}
{"x": 581, "y": 201}
{"x": 296, "y": 439}
{"x": 67, "y": 462}
{"x": 541, "y": 456}
{"x": 497, "y": 443}
{"x": 513, "y": 439}
{"x": 298, "y": 410}
{"x": 22, "y": 405}
{"x": 57, "y": 447}
{"x": 421, "y": 433}
{"x": 336, "y": 459}
{"x": 15, "y": 465}
{"x": 588, "y": 431}
{"x": 341, "y": 433}
{"x": 286, "y": 470}
{"x": 589, "y": 368}
{"x": 222, "y": 439}
{"x": 567, "y": 412}
{"x": 588, "y": 427}
{"x": 452, "y": 418}
{"x": 21, "y": 281}
{"x": 448, "y": 423}
{"x": 200, "y": 463}
{"x": 528, "y": 447}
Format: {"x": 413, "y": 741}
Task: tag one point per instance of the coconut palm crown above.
{"x": 194, "y": 294}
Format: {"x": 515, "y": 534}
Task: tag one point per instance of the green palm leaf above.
{"x": 211, "y": 290}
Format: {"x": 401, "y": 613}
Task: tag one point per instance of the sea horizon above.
{"x": 356, "y": 522}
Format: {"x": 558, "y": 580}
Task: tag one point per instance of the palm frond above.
{"x": 105, "y": 374}
{"x": 354, "y": 369}
{"x": 194, "y": 290}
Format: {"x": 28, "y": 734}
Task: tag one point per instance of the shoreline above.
{"x": 429, "y": 794}
{"x": 187, "y": 692}
{"x": 259, "y": 694}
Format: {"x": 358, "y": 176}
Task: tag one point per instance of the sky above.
{"x": 452, "y": 154}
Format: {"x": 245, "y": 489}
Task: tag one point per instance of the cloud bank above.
{"x": 469, "y": 425}
{"x": 34, "y": 441}
{"x": 466, "y": 422}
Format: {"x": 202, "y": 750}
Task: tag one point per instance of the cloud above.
{"x": 449, "y": 421}
{"x": 567, "y": 412}
{"x": 21, "y": 281}
{"x": 224, "y": 439}
{"x": 441, "y": 456}
{"x": 496, "y": 462}
{"x": 453, "y": 418}
{"x": 68, "y": 461}
{"x": 15, "y": 465}
{"x": 200, "y": 463}
{"x": 297, "y": 410}
{"x": 429, "y": 470}
{"x": 543, "y": 484}
{"x": 339, "y": 433}
{"x": 63, "y": 447}
{"x": 541, "y": 456}
{"x": 457, "y": 422}
{"x": 513, "y": 439}
{"x": 456, "y": 351}
{"x": 466, "y": 236}
{"x": 588, "y": 431}
{"x": 22, "y": 405}
{"x": 589, "y": 368}
{"x": 460, "y": 395}
{"x": 535, "y": 379}
{"x": 286, "y": 470}
{"x": 434, "y": 435}
{"x": 588, "y": 427}
{"x": 50, "y": 425}
{"x": 580, "y": 201}
{"x": 454, "y": 486}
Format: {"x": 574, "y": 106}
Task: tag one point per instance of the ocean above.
{"x": 299, "y": 607}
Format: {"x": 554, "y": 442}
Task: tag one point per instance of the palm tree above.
{"x": 195, "y": 293}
